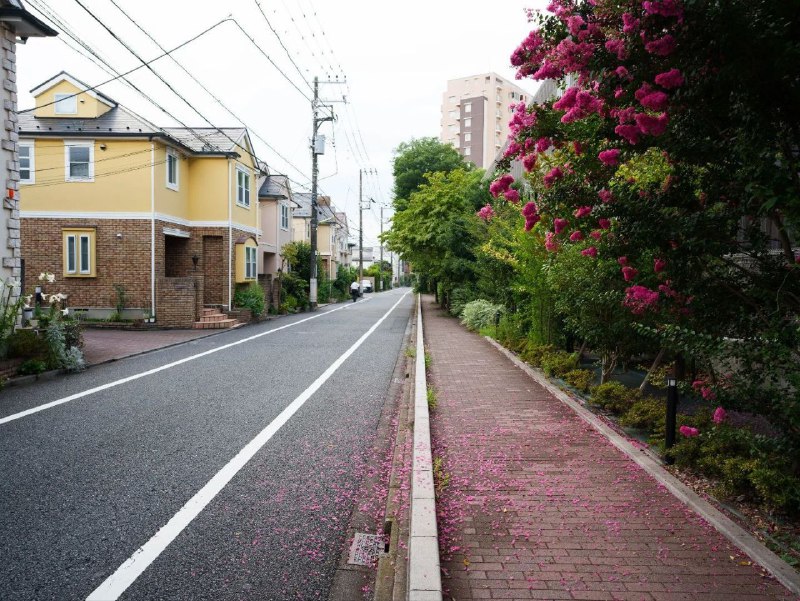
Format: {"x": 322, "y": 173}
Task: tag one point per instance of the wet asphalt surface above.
{"x": 86, "y": 483}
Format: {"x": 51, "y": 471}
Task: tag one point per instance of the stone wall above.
{"x": 10, "y": 251}
{"x": 178, "y": 301}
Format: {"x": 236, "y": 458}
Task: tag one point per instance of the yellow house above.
{"x": 169, "y": 214}
{"x": 332, "y": 231}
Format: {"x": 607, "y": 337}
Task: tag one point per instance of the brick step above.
{"x": 212, "y": 317}
{"x": 215, "y": 325}
{"x": 210, "y": 310}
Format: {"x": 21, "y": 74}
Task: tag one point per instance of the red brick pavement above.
{"x": 106, "y": 345}
{"x": 541, "y": 506}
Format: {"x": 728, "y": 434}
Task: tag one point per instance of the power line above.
{"x": 280, "y": 41}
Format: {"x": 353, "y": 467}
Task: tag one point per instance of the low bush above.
{"x": 614, "y": 397}
{"x": 581, "y": 379}
{"x": 250, "y": 297}
{"x": 534, "y": 353}
{"x": 459, "y": 298}
{"x": 32, "y": 367}
{"x": 480, "y": 314}
{"x": 26, "y": 344}
{"x": 559, "y": 363}
{"x": 646, "y": 413}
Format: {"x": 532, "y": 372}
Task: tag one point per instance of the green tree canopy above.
{"x": 414, "y": 159}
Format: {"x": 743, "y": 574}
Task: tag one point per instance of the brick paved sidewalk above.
{"x": 541, "y": 506}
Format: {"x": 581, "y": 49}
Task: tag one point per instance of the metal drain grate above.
{"x": 365, "y": 549}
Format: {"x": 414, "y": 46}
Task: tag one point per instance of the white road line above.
{"x": 128, "y": 572}
{"x": 80, "y": 395}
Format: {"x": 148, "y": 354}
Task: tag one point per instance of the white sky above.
{"x": 396, "y": 56}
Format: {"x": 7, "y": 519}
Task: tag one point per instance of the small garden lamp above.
{"x": 672, "y": 411}
{"x": 195, "y": 260}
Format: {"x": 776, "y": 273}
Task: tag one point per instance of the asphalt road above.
{"x": 86, "y": 483}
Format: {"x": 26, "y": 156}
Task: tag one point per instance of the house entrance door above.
{"x": 213, "y": 270}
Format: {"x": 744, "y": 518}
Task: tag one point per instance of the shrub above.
{"x": 534, "y": 353}
{"x": 581, "y": 379}
{"x": 480, "y": 313}
{"x": 559, "y": 363}
{"x": 26, "y": 344}
{"x": 32, "y": 367}
{"x": 646, "y": 413}
{"x": 459, "y": 298}
{"x": 614, "y": 397}
{"x": 250, "y": 297}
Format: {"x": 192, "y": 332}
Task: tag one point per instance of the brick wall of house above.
{"x": 178, "y": 301}
{"x": 123, "y": 257}
{"x": 10, "y": 251}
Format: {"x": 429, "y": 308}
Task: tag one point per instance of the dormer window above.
{"x": 66, "y": 104}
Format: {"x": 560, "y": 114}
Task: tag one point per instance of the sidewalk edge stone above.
{"x": 758, "y": 552}
{"x": 424, "y": 572}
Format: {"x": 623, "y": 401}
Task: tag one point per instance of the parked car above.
{"x": 366, "y": 285}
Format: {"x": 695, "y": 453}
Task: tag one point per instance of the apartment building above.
{"x": 475, "y": 115}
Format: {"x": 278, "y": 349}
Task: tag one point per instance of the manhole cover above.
{"x": 365, "y": 549}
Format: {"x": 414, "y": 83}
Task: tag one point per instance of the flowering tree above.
{"x": 673, "y": 151}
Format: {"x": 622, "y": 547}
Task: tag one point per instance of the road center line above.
{"x": 128, "y": 572}
{"x": 80, "y": 395}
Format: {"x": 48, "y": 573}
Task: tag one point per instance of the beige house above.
{"x": 475, "y": 115}
{"x": 332, "y": 231}
{"x": 276, "y": 210}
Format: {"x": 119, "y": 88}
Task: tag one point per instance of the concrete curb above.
{"x": 754, "y": 549}
{"x": 424, "y": 573}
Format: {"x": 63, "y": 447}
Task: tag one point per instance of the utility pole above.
{"x": 380, "y": 271}
{"x": 360, "y": 230}
{"x": 317, "y": 148}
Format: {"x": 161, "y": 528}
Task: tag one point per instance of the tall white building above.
{"x": 475, "y": 115}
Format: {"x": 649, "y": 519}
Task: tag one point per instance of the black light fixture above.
{"x": 195, "y": 260}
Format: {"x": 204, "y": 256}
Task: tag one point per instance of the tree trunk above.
{"x": 609, "y": 363}
{"x": 653, "y": 368}
{"x": 581, "y": 350}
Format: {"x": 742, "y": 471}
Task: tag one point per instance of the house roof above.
{"x": 303, "y": 200}
{"x": 64, "y": 76}
{"x": 275, "y": 186}
{"x": 116, "y": 121}
{"x": 23, "y": 23}
{"x": 210, "y": 139}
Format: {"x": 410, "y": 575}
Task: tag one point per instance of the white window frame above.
{"x": 468, "y": 122}
{"x": 78, "y": 144}
{"x": 250, "y": 262}
{"x": 284, "y": 217}
{"x": 243, "y": 192}
{"x": 171, "y": 154}
{"x": 31, "y": 179}
{"x": 75, "y": 247}
{"x": 467, "y": 151}
{"x": 467, "y": 107}
{"x": 467, "y": 136}
{"x": 58, "y": 104}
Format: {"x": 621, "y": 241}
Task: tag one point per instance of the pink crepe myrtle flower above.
{"x": 622, "y": 261}
{"x": 655, "y": 101}
{"x": 576, "y": 236}
{"x": 639, "y": 299}
{"x": 530, "y": 209}
{"x": 697, "y": 384}
{"x": 527, "y": 49}
{"x": 574, "y": 24}
{"x": 631, "y": 133}
{"x": 512, "y": 195}
{"x": 577, "y": 147}
{"x": 659, "y": 265}
{"x": 663, "y": 46}
{"x": 596, "y": 234}
{"x": 486, "y": 213}
{"x": 605, "y": 196}
{"x": 547, "y": 70}
{"x": 529, "y": 162}
{"x": 619, "y": 92}
{"x": 501, "y": 184}
{"x": 665, "y": 8}
{"x": 629, "y": 272}
{"x": 688, "y": 431}
{"x": 590, "y": 252}
{"x": 530, "y": 221}
{"x": 719, "y": 415}
{"x": 654, "y": 126}
{"x": 670, "y": 79}
{"x": 559, "y": 224}
{"x": 554, "y": 174}
{"x": 582, "y": 211}
{"x": 604, "y": 223}
{"x": 629, "y": 23}
{"x": 622, "y": 72}
{"x": 609, "y": 157}
{"x": 617, "y": 47}
{"x": 543, "y": 144}
{"x": 550, "y": 243}
{"x": 708, "y": 394}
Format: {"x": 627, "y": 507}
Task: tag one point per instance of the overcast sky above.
{"x": 396, "y": 58}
